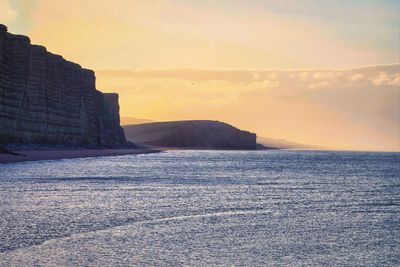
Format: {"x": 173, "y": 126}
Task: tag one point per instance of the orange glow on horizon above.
{"x": 283, "y": 69}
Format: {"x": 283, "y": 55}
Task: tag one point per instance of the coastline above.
{"x": 36, "y": 155}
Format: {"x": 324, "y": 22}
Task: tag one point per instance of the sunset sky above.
{"x": 325, "y": 73}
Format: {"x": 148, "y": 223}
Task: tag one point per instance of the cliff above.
{"x": 47, "y": 99}
{"x": 191, "y": 134}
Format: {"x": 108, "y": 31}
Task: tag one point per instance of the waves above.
{"x": 202, "y": 208}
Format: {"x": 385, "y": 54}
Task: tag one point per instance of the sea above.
{"x": 203, "y": 208}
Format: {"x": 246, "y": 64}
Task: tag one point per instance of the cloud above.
{"x": 318, "y": 75}
{"x": 319, "y": 85}
{"x": 264, "y": 84}
{"x": 377, "y": 75}
{"x": 384, "y": 78}
{"x": 356, "y": 77}
{"x": 338, "y": 108}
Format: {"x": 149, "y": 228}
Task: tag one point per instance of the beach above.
{"x": 52, "y": 154}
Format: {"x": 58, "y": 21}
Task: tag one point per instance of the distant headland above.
{"x": 199, "y": 134}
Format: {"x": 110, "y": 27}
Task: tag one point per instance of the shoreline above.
{"x": 37, "y": 155}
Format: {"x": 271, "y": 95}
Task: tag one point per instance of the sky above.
{"x": 316, "y": 72}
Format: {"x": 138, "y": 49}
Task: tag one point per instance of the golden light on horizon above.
{"x": 357, "y": 109}
{"x": 265, "y": 66}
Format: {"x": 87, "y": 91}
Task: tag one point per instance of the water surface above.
{"x": 175, "y": 208}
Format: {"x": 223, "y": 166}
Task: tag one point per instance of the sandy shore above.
{"x": 34, "y": 155}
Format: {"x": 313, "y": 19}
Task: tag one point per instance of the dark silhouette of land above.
{"x": 47, "y": 99}
{"x": 199, "y": 134}
{"x": 50, "y": 107}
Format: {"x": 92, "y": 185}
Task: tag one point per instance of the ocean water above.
{"x": 203, "y": 208}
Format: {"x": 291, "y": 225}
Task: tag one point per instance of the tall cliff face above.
{"x": 47, "y": 99}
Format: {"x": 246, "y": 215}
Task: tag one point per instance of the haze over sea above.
{"x": 210, "y": 208}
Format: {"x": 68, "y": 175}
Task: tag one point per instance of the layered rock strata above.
{"x": 47, "y": 99}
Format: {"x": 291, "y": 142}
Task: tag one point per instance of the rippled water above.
{"x": 203, "y": 208}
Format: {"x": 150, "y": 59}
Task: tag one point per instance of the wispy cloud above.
{"x": 356, "y": 108}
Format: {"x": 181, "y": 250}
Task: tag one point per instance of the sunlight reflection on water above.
{"x": 203, "y": 208}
